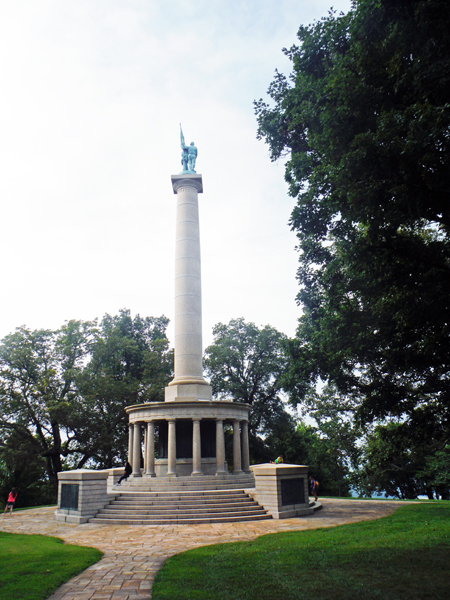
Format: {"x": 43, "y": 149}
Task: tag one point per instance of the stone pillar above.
{"x": 188, "y": 383}
{"x": 81, "y": 494}
{"x": 220, "y": 448}
{"x": 130, "y": 443}
{"x": 283, "y": 490}
{"x": 196, "y": 448}
{"x": 237, "y": 469}
{"x": 245, "y": 448}
{"x": 150, "y": 450}
{"x": 172, "y": 449}
{"x": 144, "y": 451}
{"x": 136, "y": 464}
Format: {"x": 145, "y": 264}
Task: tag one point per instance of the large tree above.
{"x": 246, "y": 364}
{"x": 38, "y": 391}
{"x": 364, "y": 120}
{"x": 63, "y": 393}
{"x": 130, "y": 364}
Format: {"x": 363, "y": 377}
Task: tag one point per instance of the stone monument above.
{"x": 190, "y": 425}
{"x": 184, "y": 446}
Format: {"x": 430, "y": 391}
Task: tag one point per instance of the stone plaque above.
{"x": 69, "y": 496}
{"x": 292, "y": 491}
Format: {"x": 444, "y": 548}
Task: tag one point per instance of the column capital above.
{"x": 182, "y": 180}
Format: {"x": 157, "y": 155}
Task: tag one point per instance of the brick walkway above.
{"x": 133, "y": 554}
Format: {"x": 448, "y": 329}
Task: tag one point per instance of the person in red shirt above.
{"x": 11, "y": 499}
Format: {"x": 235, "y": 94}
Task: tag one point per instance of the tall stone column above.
{"x": 237, "y": 469}
{"x": 130, "y": 443}
{"x": 196, "y": 448}
{"x": 245, "y": 448}
{"x": 188, "y": 383}
{"x": 220, "y": 448}
{"x": 136, "y": 464}
{"x": 150, "y": 450}
{"x": 172, "y": 449}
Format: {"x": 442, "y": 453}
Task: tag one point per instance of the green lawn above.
{"x": 33, "y": 566}
{"x": 403, "y": 556}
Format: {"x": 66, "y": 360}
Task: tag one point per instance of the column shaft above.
{"x": 237, "y": 468}
{"x": 136, "y": 464}
{"x": 172, "y": 449}
{"x": 130, "y": 443}
{"x": 196, "y": 448}
{"x": 150, "y": 450}
{"x": 220, "y": 448}
{"x": 245, "y": 448}
{"x": 188, "y": 293}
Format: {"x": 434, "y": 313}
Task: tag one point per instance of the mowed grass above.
{"x": 403, "y": 556}
{"x": 33, "y": 566}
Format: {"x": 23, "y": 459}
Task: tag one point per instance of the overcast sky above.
{"x": 92, "y": 94}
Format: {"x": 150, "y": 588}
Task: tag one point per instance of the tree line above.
{"x": 63, "y": 395}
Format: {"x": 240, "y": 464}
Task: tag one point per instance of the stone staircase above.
{"x": 225, "y": 481}
{"x": 182, "y": 508}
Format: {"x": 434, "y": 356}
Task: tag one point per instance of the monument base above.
{"x": 282, "y": 489}
{"x": 187, "y": 392}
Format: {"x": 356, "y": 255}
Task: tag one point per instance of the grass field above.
{"x": 33, "y": 566}
{"x": 405, "y": 556}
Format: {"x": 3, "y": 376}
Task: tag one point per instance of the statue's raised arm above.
{"x": 188, "y": 155}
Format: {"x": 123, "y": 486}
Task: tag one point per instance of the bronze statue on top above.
{"x": 188, "y": 155}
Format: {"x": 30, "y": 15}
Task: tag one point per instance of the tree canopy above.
{"x": 364, "y": 121}
{"x": 63, "y": 393}
{"x": 246, "y": 363}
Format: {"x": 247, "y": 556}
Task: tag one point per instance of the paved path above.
{"x": 133, "y": 554}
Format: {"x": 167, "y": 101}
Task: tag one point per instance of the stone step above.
{"x": 206, "y": 482}
{"x": 194, "y": 502}
{"x": 194, "y": 487}
{"x": 187, "y": 478}
{"x": 198, "y": 503}
{"x": 159, "y": 508}
{"x": 111, "y": 512}
{"x": 179, "y": 520}
{"x": 191, "y": 497}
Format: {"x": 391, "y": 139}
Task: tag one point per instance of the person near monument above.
{"x": 11, "y": 500}
{"x": 126, "y": 473}
{"x": 314, "y": 487}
